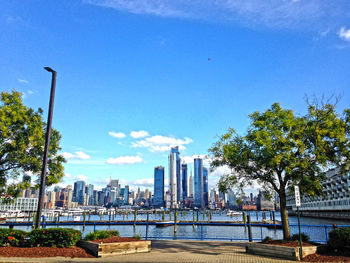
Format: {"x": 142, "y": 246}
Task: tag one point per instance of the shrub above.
{"x": 266, "y": 239}
{"x": 101, "y": 234}
{"x": 54, "y": 237}
{"x": 137, "y": 237}
{"x": 12, "y": 237}
{"x": 339, "y": 238}
{"x": 304, "y": 237}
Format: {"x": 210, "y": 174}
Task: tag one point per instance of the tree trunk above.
{"x": 284, "y": 215}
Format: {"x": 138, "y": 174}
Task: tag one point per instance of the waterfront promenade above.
{"x": 170, "y": 251}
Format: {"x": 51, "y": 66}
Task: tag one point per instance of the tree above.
{"x": 22, "y": 139}
{"x": 281, "y": 150}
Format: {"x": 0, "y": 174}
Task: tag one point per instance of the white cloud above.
{"x": 78, "y": 155}
{"x": 220, "y": 171}
{"x": 23, "y": 81}
{"x": 81, "y": 177}
{"x": 68, "y": 175}
{"x": 159, "y": 143}
{"x": 272, "y": 13}
{"x": 118, "y": 135}
{"x": 344, "y": 34}
{"x": 139, "y": 134}
{"x": 122, "y": 160}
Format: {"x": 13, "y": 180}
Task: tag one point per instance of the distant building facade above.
{"x": 198, "y": 183}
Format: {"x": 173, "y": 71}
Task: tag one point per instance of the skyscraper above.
{"x": 205, "y": 186}
{"x": 158, "y": 199}
{"x": 78, "y": 192}
{"x": 184, "y": 181}
{"x": 174, "y": 176}
{"x": 126, "y": 194}
{"x": 198, "y": 183}
{"x": 190, "y": 186}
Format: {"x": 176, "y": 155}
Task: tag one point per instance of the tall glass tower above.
{"x": 174, "y": 176}
{"x": 158, "y": 199}
{"x": 184, "y": 181}
{"x": 205, "y": 187}
{"x": 198, "y": 183}
{"x": 78, "y": 192}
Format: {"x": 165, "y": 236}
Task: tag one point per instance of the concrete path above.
{"x": 170, "y": 251}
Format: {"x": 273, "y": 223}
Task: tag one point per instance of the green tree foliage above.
{"x": 22, "y": 139}
{"x": 281, "y": 149}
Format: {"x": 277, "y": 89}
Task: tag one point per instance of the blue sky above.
{"x": 181, "y": 72}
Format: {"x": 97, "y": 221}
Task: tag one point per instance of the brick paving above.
{"x": 170, "y": 251}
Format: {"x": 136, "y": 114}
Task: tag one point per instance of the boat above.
{"x": 233, "y": 213}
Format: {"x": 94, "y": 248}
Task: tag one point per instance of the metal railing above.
{"x": 195, "y": 230}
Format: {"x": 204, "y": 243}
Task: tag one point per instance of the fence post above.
{"x": 84, "y": 215}
{"x": 175, "y": 219}
{"x": 94, "y": 226}
{"x": 326, "y": 232}
{"x": 147, "y": 229}
{"x": 163, "y": 215}
{"x": 250, "y": 236}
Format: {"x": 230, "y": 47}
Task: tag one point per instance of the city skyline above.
{"x": 134, "y": 81}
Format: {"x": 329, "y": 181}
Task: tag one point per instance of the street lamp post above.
{"x": 46, "y": 149}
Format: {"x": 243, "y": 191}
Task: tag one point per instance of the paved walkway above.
{"x": 173, "y": 251}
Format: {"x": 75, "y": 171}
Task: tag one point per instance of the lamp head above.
{"x": 50, "y": 70}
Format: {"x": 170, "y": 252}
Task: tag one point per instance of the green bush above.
{"x": 304, "y": 237}
{"x": 340, "y": 238}
{"x": 137, "y": 237}
{"x": 101, "y": 234}
{"x": 12, "y": 237}
{"x": 54, "y": 237}
{"x": 266, "y": 239}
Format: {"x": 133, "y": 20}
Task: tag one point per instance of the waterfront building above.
{"x": 101, "y": 198}
{"x": 184, "y": 181}
{"x": 264, "y": 203}
{"x": 231, "y": 199}
{"x": 113, "y": 195}
{"x": 158, "y": 199}
{"x": 21, "y": 203}
{"x": 198, "y": 183}
{"x": 222, "y": 196}
{"x": 174, "y": 176}
{"x": 334, "y": 201}
{"x": 78, "y": 192}
{"x": 205, "y": 187}
{"x": 89, "y": 190}
{"x": 95, "y": 198}
{"x": 190, "y": 186}
{"x": 126, "y": 195}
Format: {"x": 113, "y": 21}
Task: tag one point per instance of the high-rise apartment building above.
{"x": 175, "y": 176}
{"x": 158, "y": 198}
{"x": 126, "y": 194}
{"x": 190, "y": 186}
{"x": 198, "y": 183}
{"x": 184, "y": 181}
{"x": 205, "y": 187}
{"x": 78, "y": 192}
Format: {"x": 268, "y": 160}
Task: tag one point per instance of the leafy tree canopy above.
{"x": 22, "y": 139}
{"x": 281, "y": 149}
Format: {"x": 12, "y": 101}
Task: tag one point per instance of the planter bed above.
{"x": 326, "y": 254}
{"x": 286, "y": 250}
{"x": 115, "y": 246}
{"x": 38, "y": 252}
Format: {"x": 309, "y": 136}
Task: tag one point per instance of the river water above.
{"x": 316, "y": 228}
